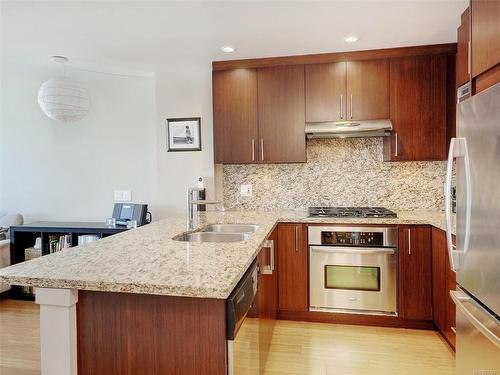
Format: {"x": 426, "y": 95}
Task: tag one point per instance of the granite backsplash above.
{"x": 338, "y": 172}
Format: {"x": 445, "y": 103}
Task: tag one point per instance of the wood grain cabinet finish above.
{"x": 127, "y": 333}
{"x": 485, "y": 35}
{"x": 267, "y": 299}
{"x": 281, "y": 113}
{"x": 292, "y": 268}
{"x": 326, "y": 92}
{"x": 268, "y": 282}
{"x": 368, "y": 90}
{"x": 419, "y": 109}
{"x": 443, "y": 280}
{"x": 415, "y": 272}
{"x": 235, "y": 116}
{"x": 352, "y": 90}
{"x": 439, "y": 279}
{"x": 463, "y": 50}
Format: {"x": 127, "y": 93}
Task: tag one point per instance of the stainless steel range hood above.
{"x": 349, "y": 129}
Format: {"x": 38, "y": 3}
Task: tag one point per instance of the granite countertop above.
{"x": 146, "y": 260}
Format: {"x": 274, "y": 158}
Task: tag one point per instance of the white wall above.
{"x": 55, "y": 171}
{"x": 183, "y": 91}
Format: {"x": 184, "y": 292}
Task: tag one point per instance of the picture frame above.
{"x": 184, "y": 134}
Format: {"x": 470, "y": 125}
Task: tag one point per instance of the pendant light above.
{"x": 62, "y": 98}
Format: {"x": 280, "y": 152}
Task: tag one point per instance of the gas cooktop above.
{"x": 353, "y": 212}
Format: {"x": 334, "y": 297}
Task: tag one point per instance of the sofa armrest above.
{"x": 4, "y": 253}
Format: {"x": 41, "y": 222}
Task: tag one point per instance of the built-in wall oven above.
{"x": 353, "y": 269}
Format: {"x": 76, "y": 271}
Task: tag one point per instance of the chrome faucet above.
{"x": 195, "y": 202}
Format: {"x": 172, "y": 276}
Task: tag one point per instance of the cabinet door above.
{"x": 292, "y": 267}
{"x": 235, "y": 115}
{"x": 415, "y": 272}
{"x": 462, "y": 58}
{"x": 418, "y": 109}
{"x": 267, "y": 298}
{"x": 485, "y": 34}
{"x": 326, "y": 92}
{"x": 368, "y": 90}
{"x": 268, "y": 281}
{"x": 281, "y": 114}
{"x": 450, "y": 284}
{"x": 439, "y": 299}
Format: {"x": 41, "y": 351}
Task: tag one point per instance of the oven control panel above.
{"x": 368, "y": 236}
{"x": 352, "y": 238}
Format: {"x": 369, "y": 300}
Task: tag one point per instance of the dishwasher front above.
{"x": 243, "y": 330}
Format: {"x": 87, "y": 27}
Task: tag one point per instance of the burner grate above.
{"x": 351, "y": 212}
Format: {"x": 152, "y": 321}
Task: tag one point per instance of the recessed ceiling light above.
{"x": 227, "y": 49}
{"x": 351, "y": 38}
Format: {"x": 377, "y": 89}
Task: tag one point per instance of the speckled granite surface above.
{"x": 338, "y": 172}
{"x": 147, "y": 260}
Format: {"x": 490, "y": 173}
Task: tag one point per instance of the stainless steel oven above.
{"x": 353, "y": 269}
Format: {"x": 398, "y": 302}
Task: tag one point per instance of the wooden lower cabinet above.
{"x": 267, "y": 298}
{"x": 268, "y": 281}
{"x": 443, "y": 280}
{"x": 415, "y": 272}
{"x": 292, "y": 267}
{"x": 425, "y": 279}
{"x": 127, "y": 333}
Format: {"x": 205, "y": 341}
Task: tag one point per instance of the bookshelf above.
{"x": 23, "y": 237}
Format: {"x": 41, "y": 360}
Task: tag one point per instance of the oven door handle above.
{"x": 352, "y": 250}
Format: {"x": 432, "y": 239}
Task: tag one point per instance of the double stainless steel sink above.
{"x": 219, "y": 233}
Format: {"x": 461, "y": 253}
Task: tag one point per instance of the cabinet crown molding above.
{"x": 434, "y": 49}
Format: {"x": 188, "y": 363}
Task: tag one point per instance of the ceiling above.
{"x": 146, "y": 36}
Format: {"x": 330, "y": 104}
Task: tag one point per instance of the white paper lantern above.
{"x": 64, "y": 99}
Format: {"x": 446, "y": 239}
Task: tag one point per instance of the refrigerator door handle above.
{"x": 461, "y": 299}
{"x": 458, "y": 149}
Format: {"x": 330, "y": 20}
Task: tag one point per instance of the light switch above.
{"x": 246, "y": 190}
{"x": 122, "y": 196}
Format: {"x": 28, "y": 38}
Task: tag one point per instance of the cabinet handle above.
{"x": 409, "y": 241}
{"x": 468, "y": 58}
{"x": 396, "y": 153}
{"x": 351, "y": 106}
{"x": 268, "y": 269}
{"x": 296, "y": 238}
{"x": 262, "y": 149}
{"x": 341, "y": 107}
{"x": 253, "y": 149}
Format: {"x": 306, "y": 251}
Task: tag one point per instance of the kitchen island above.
{"x": 141, "y": 302}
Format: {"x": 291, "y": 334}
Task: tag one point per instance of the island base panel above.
{"x": 125, "y": 333}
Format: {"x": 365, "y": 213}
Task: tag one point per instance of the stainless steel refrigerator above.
{"x": 475, "y": 153}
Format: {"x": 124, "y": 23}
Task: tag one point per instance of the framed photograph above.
{"x": 184, "y": 134}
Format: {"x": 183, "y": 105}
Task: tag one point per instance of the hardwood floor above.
{"x": 19, "y": 338}
{"x": 332, "y": 349}
{"x": 296, "y": 348}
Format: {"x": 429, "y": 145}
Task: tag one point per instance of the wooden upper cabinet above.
{"x": 462, "y": 58}
{"x": 326, "y": 92}
{"x": 235, "y": 115}
{"x": 419, "y": 109}
{"x": 415, "y": 272}
{"x": 292, "y": 267}
{"x": 281, "y": 114}
{"x": 368, "y": 90}
{"x": 485, "y": 35}
{"x": 353, "y": 90}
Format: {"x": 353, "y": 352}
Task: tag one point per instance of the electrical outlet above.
{"x": 122, "y": 195}
{"x": 246, "y": 190}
